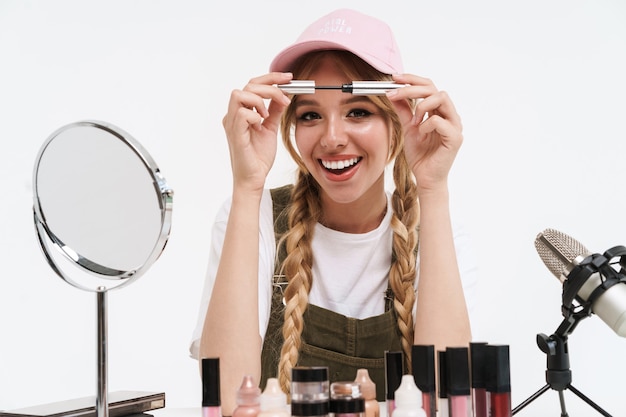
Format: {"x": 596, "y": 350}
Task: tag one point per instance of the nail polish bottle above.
{"x": 368, "y": 391}
{"x": 248, "y": 398}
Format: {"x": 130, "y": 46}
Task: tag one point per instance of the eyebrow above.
{"x": 348, "y": 100}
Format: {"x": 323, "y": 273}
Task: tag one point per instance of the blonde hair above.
{"x": 305, "y": 211}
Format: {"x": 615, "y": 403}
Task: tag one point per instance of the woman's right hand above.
{"x": 252, "y": 128}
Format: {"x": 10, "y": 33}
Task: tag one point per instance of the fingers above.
{"x": 261, "y": 88}
{"x": 438, "y": 104}
{"x": 429, "y": 101}
{"x": 247, "y": 107}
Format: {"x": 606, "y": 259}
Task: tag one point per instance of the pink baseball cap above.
{"x": 365, "y": 36}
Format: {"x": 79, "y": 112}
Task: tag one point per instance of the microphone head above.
{"x": 559, "y": 252}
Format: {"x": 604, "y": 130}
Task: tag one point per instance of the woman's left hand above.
{"x": 433, "y": 132}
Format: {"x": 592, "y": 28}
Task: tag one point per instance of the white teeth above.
{"x": 339, "y": 164}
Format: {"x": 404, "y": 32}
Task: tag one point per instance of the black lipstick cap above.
{"x": 443, "y": 374}
{"x": 394, "y": 369}
{"x": 211, "y": 382}
{"x": 458, "y": 371}
{"x": 477, "y": 360}
{"x": 423, "y": 364}
{"x": 498, "y": 369}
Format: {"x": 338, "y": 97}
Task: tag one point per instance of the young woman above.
{"x": 335, "y": 270}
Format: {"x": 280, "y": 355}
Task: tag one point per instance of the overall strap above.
{"x": 273, "y": 340}
{"x": 281, "y": 197}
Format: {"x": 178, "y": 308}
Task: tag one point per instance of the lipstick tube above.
{"x": 459, "y": 391}
{"x": 443, "y": 384}
{"x": 394, "y": 369}
{"x": 479, "y": 391}
{"x": 423, "y": 364}
{"x": 498, "y": 380}
{"x": 211, "y": 400}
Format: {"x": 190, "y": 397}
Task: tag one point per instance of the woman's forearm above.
{"x": 231, "y": 326}
{"x": 441, "y": 316}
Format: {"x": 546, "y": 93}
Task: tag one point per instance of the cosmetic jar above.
{"x": 346, "y": 399}
{"x": 309, "y": 391}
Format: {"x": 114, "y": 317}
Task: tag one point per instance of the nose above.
{"x": 334, "y": 136}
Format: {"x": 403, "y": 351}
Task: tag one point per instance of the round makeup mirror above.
{"x": 102, "y": 208}
{"x": 102, "y": 212}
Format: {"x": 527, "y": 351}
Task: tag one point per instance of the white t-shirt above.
{"x": 349, "y": 270}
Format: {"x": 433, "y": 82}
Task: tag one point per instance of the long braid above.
{"x": 297, "y": 266}
{"x": 402, "y": 273}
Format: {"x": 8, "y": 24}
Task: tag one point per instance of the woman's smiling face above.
{"x": 343, "y": 139}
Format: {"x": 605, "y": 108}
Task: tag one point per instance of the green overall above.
{"x": 330, "y": 339}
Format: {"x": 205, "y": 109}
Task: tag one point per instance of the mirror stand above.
{"x": 102, "y": 401}
{"x": 102, "y": 213}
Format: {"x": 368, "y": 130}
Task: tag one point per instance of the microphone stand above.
{"x": 558, "y": 373}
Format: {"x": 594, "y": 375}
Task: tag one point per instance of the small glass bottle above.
{"x": 346, "y": 399}
{"x": 368, "y": 391}
{"x": 248, "y": 398}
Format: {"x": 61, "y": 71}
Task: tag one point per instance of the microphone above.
{"x": 589, "y": 278}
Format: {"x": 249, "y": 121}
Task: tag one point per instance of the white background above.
{"x": 539, "y": 85}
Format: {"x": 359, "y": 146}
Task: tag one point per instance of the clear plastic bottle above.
{"x": 368, "y": 391}
{"x": 408, "y": 399}
{"x": 273, "y": 400}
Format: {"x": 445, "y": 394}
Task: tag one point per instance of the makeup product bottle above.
{"x": 459, "y": 400}
{"x": 442, "y": 407}
{"x": 408, "y": 399}
{"x": 423, "y": 363}
{"x": 479, "y": 392}
{"x": 394, "y": 369}
{"x": 309, "y": 391}
{"x": 368, "y": 391}
{"x": 211, "y": 400}
{"x": 498, "y": 380}
{"x": 346, "y": 399}
{"x": 248, "y": 398}
{"x": 273, "y": 401}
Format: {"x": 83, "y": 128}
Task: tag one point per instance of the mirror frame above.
{"x": 50, "y": 243}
